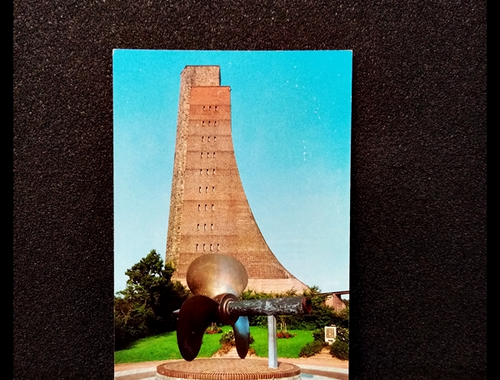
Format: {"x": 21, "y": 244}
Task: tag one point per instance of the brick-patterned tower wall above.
{"x": 212, "y": 214}
{"x": 190, "y": 76}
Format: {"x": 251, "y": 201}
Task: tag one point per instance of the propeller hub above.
{"x": 214, "y": 274}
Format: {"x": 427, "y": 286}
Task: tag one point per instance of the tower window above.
{"x": 199, "y": 207}
{"x": 198, "y": 226}
{"x": 205, "y": 227}
{"x": 215, "y": 137}
{"x": 211, "y": 246}
{"x": 204, "y": 107}
{"x": 210, "y": 107}
{"x": 196, "y": 246}
{"x": 199, "y": 189}
{"x": 201, "y": 154}
{"x": 203, "y": 123}
{"x": 218, "y": 247}
{"x": 213, "y": 171}
{"x": 207, "y": 171}
{"x": 215, "y": 108}
{"x": 205, "y": 207}
{"x": 213, "y": 189}
{"x": 201, "y": 171}
{"x": 213, "y": 154}
{"x": 212, "y": 226}
{"x": 206, "y": 189}
{"x": 208, "y": 138}
{"x": 215, "y": 123}
{"x": 202, "y": 138}
{"x": 203, "y": 246}
{"x": 213, "y": 207}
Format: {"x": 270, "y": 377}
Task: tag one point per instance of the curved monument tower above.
{"x": 209, "y": 211}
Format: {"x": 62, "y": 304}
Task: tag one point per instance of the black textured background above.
{"x": 418, "y": 227}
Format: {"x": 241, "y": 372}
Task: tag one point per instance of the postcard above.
{"x": 238, "y": 153}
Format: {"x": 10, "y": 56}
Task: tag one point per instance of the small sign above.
{"x": 330, "y": 334}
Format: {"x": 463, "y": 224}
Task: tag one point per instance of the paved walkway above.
{"x": 319, "y": 367}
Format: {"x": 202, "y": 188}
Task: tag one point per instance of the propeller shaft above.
{"x": 270, "y": 306}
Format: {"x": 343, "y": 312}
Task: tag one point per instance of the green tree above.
{"x": 147, "y": 304}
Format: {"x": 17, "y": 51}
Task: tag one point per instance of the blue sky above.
{"x": 291, "y": 125}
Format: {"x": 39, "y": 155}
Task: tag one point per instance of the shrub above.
{"x": 228, "y": 339}
{"x": 319, "y": 335}
{"x": 343, "y": 334}
{"x": 214, "y": 329}
{"x": 284, "y": 335}
{"x": 340, "y": 348}
{"x": 311, "y": 349}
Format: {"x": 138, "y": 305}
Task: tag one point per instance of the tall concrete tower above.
{"x": 209, "y": 211}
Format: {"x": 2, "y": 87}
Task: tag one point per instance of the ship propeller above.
{"x": 215, "y": 280}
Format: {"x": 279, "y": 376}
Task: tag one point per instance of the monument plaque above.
{"x": 330, "y": 334}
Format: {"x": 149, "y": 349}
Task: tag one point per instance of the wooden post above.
{"x": 273, "y": 349}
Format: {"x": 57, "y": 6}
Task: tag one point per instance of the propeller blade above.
{"x": 193, "y": 319}
{"x": 241, "y": 330}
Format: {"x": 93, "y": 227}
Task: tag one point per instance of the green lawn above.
{"x": 287, "y": 348}
{"x": 164, "y": 346}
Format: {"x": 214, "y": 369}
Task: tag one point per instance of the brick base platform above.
{"x": 226, "y": 369}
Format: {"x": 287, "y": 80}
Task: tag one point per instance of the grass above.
{"x": 287, "y": 348}
{"x": 164, "y": 346}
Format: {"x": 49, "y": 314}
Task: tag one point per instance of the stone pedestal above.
{"x": 225, "y": 369}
